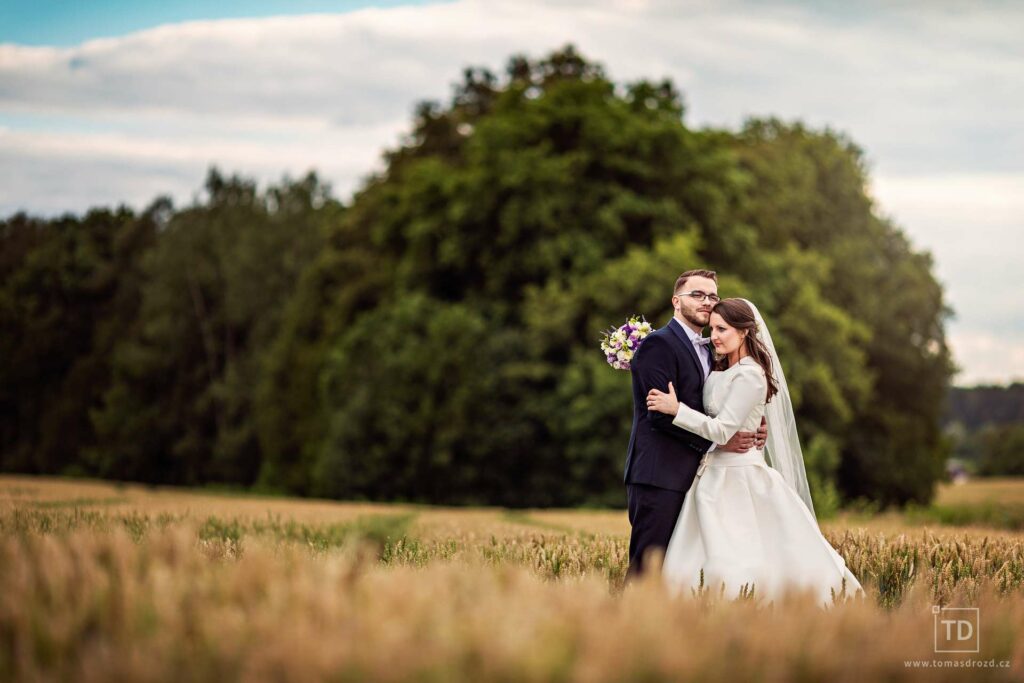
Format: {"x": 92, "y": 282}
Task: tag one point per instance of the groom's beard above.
{"x": 698, "y": 318}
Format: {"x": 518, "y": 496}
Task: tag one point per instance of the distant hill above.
{"x": 975, "y": 407}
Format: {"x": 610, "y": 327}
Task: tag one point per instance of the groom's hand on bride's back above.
{"x": 762, "y": 434}
{"x": 741, "y": 442}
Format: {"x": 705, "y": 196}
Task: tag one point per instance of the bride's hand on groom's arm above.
{"x": 663, "y": 403}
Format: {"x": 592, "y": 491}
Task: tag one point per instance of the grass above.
{"x": 985, "y": 514}
{"x": 77, "y": 502}
{"x": 131, "y": 583}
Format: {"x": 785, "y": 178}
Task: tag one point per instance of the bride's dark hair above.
{"x": 737, "y": 314}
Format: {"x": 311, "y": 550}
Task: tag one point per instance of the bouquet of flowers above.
{"x": 619, "y": 345}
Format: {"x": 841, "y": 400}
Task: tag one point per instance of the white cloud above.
{"x": 929, "y": 90}
{"x": 72, "y": 171}
{"x": 972, "y": 224}
{"x": 987, "y": 358}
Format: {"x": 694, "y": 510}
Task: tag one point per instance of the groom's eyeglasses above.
{"x": 701, "y": 296}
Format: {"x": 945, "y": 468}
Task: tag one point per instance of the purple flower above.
{"x": 629, "y": 337}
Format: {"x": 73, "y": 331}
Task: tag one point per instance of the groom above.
{"x": 662, "y": 459}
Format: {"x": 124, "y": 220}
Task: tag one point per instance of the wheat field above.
{"x": 103, "y": 582}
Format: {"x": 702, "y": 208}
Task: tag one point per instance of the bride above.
{"x": 744, "y": 523}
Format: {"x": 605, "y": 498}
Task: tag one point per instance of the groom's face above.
{"x": 697, "y": 311}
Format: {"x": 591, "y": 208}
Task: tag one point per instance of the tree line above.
{"x": 985, "y": 426}
{"x": 435, "y": 338}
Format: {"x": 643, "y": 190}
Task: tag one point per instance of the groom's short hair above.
{"x": 681, "y": 280}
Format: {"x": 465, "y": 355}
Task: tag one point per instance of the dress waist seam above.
{"x": 725, "y": 459}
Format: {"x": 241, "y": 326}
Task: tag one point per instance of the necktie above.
{"x": 702, "y": 345}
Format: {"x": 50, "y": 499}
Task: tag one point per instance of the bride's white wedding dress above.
{"x": 741, "y": 521}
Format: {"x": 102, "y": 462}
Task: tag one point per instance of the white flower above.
{"x": 620, "y": 344}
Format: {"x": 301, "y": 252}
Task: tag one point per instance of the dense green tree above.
{"x": 180, "y": 406}
{"x": 419, "y": 396}
{"x": 535, "y": 183}
{"x": 68, "y": 290}
{"x": 1002, "y": 450}
{"x": 553, "y": 204}
{"x": 808, "y": 189}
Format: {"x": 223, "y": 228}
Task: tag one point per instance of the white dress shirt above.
{"x": 703, "y": 352}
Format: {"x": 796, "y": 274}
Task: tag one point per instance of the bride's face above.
{"x": 725, "y": 338}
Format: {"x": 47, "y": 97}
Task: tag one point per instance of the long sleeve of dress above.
{"x": 745, "y": 391}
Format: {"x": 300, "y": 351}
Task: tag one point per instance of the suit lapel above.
{"x": 690, "y": 350}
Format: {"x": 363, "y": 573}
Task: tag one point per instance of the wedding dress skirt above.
{"x": 743, "y": 524}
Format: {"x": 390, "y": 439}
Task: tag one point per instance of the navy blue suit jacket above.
{"x": 661, "y": 454}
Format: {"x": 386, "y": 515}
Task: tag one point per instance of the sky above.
{"x": 107, "y": 102}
